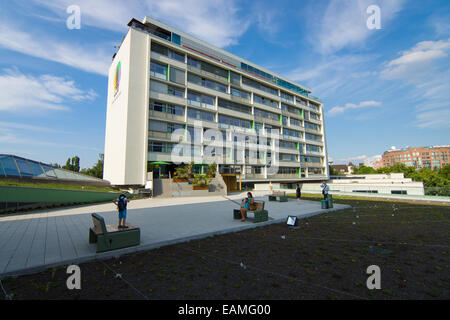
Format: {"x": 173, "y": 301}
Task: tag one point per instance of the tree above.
{"x": 444, "y": 172}
{"x": 364, "y": 170}
{"x": 97, "y": 169}
{"x": 73, "y": 164}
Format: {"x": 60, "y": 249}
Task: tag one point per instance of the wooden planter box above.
{"x": 180, "y": 180}
{"x": 200, "y": 187}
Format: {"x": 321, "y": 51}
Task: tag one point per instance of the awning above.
{"x": 159, "y": 162}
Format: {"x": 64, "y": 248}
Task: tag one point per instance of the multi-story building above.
{"x": 421, "y": 157}
{"x": 169, "y": 91}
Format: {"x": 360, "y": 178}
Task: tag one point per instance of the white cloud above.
{"x": 37, "y": 44}
{"x": 434, "y": 119}
{"x": 344, "y": 23}
{"x": 367, "y": 160}
{"x": 215, "y": 21}
{"x": 416, "y": 61}
{"x": 426, "y": 69}
{"x": 364, "y": 104}
{"x": 25, "y": 93}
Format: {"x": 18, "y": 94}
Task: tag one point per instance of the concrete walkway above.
{"x": 35, "y": 241}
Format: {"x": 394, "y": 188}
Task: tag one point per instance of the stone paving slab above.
{"x": 34, "y": 242}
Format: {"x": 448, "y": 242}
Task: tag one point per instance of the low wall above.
{"x": 12, "y": 197}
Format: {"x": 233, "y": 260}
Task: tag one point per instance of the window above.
{"x": 265, "y": 114}
{"x": 265, "y": 101}
{"x": 311, "y": 126}
{"x": 292, "y": 109}
{"x": 295, "y": 122}
{"x": 284, "y": 120}
{"x": 164, "y": 88}
{"x": 227, "y": 121}
{"x": 235, "y": 78}
{"x": 158, "y": 87}
{"x": 314, "y": 106}
{"x": 314, "y": 116}
{"x": 200, "y": 100}
{"x": 288, "y": 157}
{"x": 160, "y": 147}
{"x": 240, "y": 93}
{"x": 292, "y": 133}
{"x": 287, "y": 97}
{"x": 208, "y": 67}
{"x": 207, "y": 83}
{"x": 166, "y": 108}
{"x": 234, "y": 106}
{"x": 268, "y": 128}
{"x": 174, "y": 91}
{"x": 176, "y": 38}
{"x": 301, "y": 101}
{"x": 163, "y": 50}
{"x": 200, "y": 115}
{"x": 312, "y": 148}
{"x": 257, "y": 85}
{"x": 314, "y": 137}
{"x": 193, "y": 62}
{"x": 310, "y": 159}
{"x": 207, "y": 101}
{"x": 287, "y": 144}
{"x": 158, "y": 70}
{"x": 177, "y": 75}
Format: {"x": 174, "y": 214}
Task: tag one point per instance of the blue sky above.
{"x": 381, "y": 87}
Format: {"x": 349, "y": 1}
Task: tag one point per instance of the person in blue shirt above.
{"x": 325, "y": 189}
{"x": 121, "y": 204}
{"x": 245, "y": 205}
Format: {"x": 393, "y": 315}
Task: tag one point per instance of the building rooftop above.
{"x": 219, "y": 55}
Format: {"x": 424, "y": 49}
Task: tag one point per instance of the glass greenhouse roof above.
{"x": 17, "y": 167}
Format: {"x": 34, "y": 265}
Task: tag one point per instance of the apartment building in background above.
{"x": 168, "y": 88}
{"x": 420, "y": 157}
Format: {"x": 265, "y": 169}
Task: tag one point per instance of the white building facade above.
{"x": 173, "y": 99}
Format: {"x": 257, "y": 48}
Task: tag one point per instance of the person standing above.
{"x": 121, "y": 204}
{"x": 298, "y": 192}
{"x": 325, "y": 189}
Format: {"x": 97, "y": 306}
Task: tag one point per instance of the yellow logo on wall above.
{"x": 117, "y": 77}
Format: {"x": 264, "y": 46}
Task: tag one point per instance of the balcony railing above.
{"x": 165, "y": 115}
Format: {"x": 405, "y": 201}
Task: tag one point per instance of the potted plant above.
{"x": 181, "y": 174}
{"x": 212, "y": 170}
{"x": 201, "y": 182}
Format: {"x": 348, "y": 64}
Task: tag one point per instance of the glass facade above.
{"x": 17, "y": 167}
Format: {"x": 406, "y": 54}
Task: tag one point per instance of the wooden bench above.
{"x": 257, "y": 208}
{"x": 109, "y": 237}
{"x": 278, "y": 194}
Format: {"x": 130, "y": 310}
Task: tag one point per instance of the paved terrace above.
{"x": 32, "y": 242}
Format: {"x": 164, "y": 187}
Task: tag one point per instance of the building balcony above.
{"x": 268, "y": 121}
{"x": 207, "y": 74}
{"x": 165, "y": 115}
{"x": 283, "y": 176}
{"x": 167, "y": 98}
{"x": 239, "y": 99}
{"x": 166, "y": 136}
{"x": 253, "y": 176}
{"x": 291, "y": 138}
{"x": 312, "y": 164}
{"x": 193, "y": 103}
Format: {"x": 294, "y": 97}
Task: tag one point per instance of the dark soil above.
{"x": 324, "y": 257}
